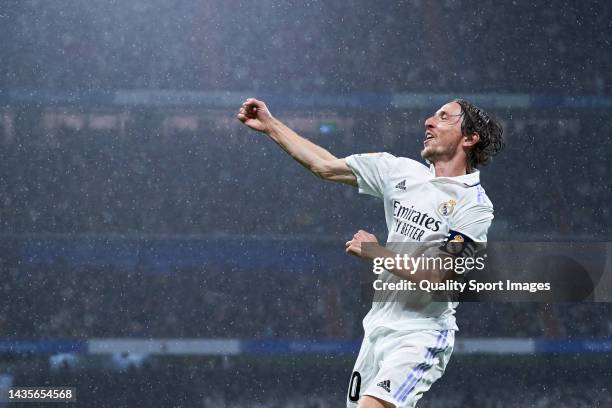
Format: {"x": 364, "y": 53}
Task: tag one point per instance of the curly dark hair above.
{"x": 476, "y": 120}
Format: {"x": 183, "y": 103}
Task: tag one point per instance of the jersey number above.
{"x": 354, "y": 386}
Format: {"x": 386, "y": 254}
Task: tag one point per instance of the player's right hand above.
{"x": 255, "y": 114}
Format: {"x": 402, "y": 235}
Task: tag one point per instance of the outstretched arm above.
{"x": 316, "y": 159}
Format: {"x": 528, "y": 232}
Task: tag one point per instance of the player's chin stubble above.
{"x": 432, "y": 153}
{"x": 427, "y": 153}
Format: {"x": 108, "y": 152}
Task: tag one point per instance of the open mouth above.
{"x": 428, "y": 137}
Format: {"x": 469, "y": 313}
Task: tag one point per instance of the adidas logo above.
{"x": 385, "y": 385}
{"x": 401, "y": 185}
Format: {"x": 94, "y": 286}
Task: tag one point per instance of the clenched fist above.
{"x": 255, "y": 114}
{"x": 355, "y": 247}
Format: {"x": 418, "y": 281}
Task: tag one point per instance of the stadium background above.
{"x": 157, "y": 253}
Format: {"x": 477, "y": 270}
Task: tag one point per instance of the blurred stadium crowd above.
{"x": 320, "y": 47}
{"x": 61, "y": 301}
{"x": 63, "y": 173}
{"x": 100, "y": 170}
{"x": 144, "y": 172}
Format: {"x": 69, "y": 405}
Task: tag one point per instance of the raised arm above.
{"x": 316, "y": 159}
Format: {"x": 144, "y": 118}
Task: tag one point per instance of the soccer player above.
{"x": 407, "y": 345}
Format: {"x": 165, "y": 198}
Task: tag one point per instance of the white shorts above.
{"x": 399, "y": 367}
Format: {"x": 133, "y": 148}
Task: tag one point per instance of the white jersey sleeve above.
{"x": 473, "y": 221}
{"x": 372, "y": 171}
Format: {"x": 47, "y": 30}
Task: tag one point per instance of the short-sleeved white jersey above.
{"x": 419, "y": 207}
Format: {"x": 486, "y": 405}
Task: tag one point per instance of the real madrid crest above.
{"x": 445, "y": 209}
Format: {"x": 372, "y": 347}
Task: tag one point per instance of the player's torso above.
{"x": 419, "y": 209}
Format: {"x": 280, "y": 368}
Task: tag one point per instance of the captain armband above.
{"x": 465, "y": 253}
{"x": 459, "y": 245}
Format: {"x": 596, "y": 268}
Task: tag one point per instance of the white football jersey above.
{"x": 419, "y": 207}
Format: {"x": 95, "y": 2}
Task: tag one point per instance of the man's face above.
{"x": 443, "y": 133}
